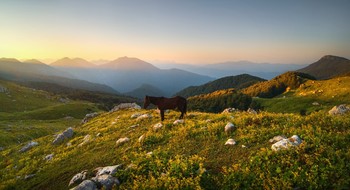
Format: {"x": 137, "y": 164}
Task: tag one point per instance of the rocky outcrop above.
{"x": 277, "y": 138}
{"x": 67, "y": 134}
{"x": 28, "y": 146}
{"x": 339, "y": 110}
{"x": 122, "y": 141}
{"x": 86, "y": 185}
{"x": 286, "y": 143}
{"x": 88, "y": 117}
{"x": 230, "y": 142}
{"x": 229, "y": 127}
{"x": 86, "y": 139}
{"x": 123, "y": 106}
{"x": 3, "y": 89}
{"x": 157, "y": 126}
{"x": 103, "y": 179}
{"x": 144, "y": 116}
{"x": 78, "y": 178}
{"x": 229, "y": 110}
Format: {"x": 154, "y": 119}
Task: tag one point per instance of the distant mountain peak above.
{"x": 333, "y": 58}
{"x": 12, "y": 60}
{"x": 69, "y": 62}
{"x": 129, "y": 63}
{"x": 327, "y": 67}
{"x": 33, "y": 61}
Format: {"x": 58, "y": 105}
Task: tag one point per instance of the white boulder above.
{"x": 286, "y": 143}
{"x": 229, "y": 127}
{"x": 230, "y": 142}
{"x": 68, "y": 133}
{"x": 178, "y": 121}
{"x": 339, "y": 110}
{"x": 124, "y": 106}
{"x": 28, "y": 146}
{"x": 157, "y": 126}
{"x": 122, "y": 140}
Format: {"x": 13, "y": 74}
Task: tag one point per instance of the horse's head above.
{"x": 146, "y": 102}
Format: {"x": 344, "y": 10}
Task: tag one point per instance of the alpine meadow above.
{"x": 174, "y": 95}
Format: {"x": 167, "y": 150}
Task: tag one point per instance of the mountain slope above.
{"x": 327, "y": 67}
{"x": 145, "y": 89}
{"x": 12, "y": 69}
{"x": 277, "y": 85}
{"x": 76, "y": 62}
{"x": 237, "y": 82}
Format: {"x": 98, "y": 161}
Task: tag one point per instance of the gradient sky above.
{"x": 189, "y": 31}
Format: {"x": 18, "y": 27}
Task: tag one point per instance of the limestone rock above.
{"x": 286, "y": 143}
{"x": 86, "y": 185}
{"x": 230, "y": 142}
{"x": 78, "y": 178}
{"x": 122, "y": 141}
{"x": 110, "y": 170}
{"x": 106, "y": 181}
{"x": 67, "y": 134}
{"x": 144, "y": 116}
{"x": 229, "y": 110}
{"x": 157, "y": 126}
{"x": 277, "y": 138}
{"x": 339, "y": 110}
{"x": 49, "y": 157}
{"x": 229, "y": 127}
{"x": 28, "y": 146}
{"x": 135, "y": 115}
{"x": 29, "y": 176}
{"x": 88, "y": 117}
{"x": 86, "y": 139}
{"x": 3, "y": 89}
{"x": 179, "y": 121}
{"x": 123, "y": 106}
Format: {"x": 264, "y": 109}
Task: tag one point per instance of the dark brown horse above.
{"x": 167, "y": 103}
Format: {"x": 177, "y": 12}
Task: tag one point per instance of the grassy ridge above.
{"x": 193, "y": 155}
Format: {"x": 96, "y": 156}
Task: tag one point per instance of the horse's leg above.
{"x": 162, "y": 114}
{"x": 182, "y": 112}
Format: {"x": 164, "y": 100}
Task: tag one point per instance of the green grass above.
{"x": 327, "y": 94}
{"x": 193, "y": 155}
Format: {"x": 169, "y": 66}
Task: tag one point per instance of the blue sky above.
{"x": 189, "y": 31}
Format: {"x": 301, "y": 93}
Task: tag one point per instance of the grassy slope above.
{"x": 193, "y": 155}
{"x": 27, "y": 114}
{"x": 327, "y": 93}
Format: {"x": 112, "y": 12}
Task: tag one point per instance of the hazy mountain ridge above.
{"x": 327, "y": 67}
{"x": 145, "y": 89}
{"x": 237, "y": 82}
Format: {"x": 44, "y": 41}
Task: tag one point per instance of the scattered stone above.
{"x": 78, "y": 178}
{"x": 339, "y": 110}
{"x": 1, "y": 148}
{"x": 67, "y": 134}
{"x": 144, "y": 116}
{"x": 277, "y": 138}
{"x": 122, "y": 140}
{"x": 135, "y": 115}
{"x": 179, "y": 121}
{"x": 252, "y": 111}
{"x": 229, "y": 127}
{"x": 98, "y": 135}
{"x": 149, "y": 153}
{"x": 68, "y": 118}
{"x": 286, "y": 143}
{"x": 49, "y": 157}
{"x": 63, "y": 100}
{"x": 123, "y": 106}
{"x": 69, "y": 144}
{"x": 157, "y": 126}
{"x": 141, "y": 138}
{"x": 315, "y": 103}
{"x": 208, "y": 121}
{"x": 88, "y": 117}
{"x": 29, "y": 176}
{"x": 134, "y": 126}
{"x": 86, "y": 185}
{"x": 28, "y": 146}
{"x": 244, "y": 146}
{"x": 86, "y": 139}
{"x": 110, "y": 170}
{"x": 230, "y": 142}
{"x": 106, "y": 181}
{"x": 229, "y": 110}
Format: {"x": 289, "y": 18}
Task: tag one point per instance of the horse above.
{"x": 167, "y": 103}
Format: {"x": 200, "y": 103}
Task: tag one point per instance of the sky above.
{"x": 183, "y": 31}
